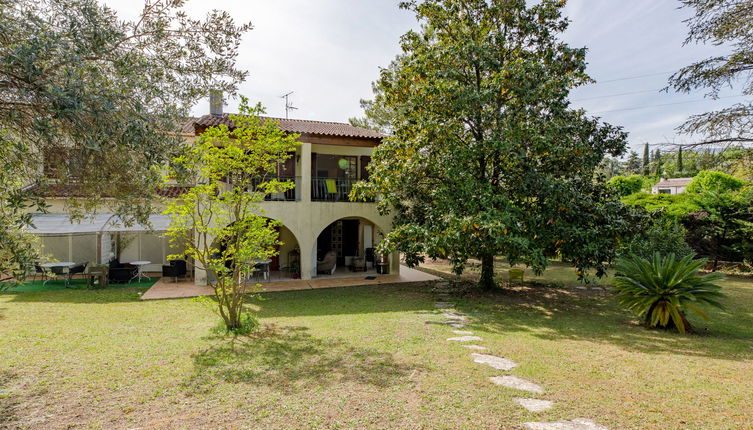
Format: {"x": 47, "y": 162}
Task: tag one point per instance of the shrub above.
{"x": 663, "y": 235}
{"x": 711, "y": 181}
{"x": 673, "y": 205}
{"x": 626, "y": 185}
{"x": 662, "y": 289}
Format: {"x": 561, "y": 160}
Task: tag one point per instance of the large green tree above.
{"x": 727, "y": 23}
{"x": 91, "y": 100}
{"x": 486, "y": 156}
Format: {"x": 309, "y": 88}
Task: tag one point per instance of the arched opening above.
{"x": 346, "y": 247}
{"x": 283, "y": 266}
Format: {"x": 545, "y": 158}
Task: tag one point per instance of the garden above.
{"x": 369, "y": 357}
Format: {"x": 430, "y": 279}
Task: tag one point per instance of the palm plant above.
{"x": 662, "y": 289}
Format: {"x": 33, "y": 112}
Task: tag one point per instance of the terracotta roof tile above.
{"x": 674, "y": 182}
{"x": 300, "y": 126}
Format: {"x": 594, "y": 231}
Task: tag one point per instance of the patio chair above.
{"x": 176, "y": 269}
{"x": 77, "y": 270}
{"x": 328, "y": 264}
{"x": 122, "y": 274}
{"x": 40, "y": 271}
{"x": 515, "y": 275}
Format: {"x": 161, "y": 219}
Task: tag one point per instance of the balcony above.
{"x": 291, "y": 195}
{"x": 331, "y": 189}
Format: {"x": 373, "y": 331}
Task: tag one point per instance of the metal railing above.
{"x": 331, "y": 189}
{"x": 291, "y": 195}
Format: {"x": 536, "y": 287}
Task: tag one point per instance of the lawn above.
{"x": 365, "y": 357}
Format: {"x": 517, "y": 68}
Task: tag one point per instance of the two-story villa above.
{"x": 317, "y": 215}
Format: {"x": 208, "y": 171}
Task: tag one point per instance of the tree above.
{"x": 723, "y": 226}
{"x": 93, "y": 101}
{"x": 486, "y": 157}
{"x": 680, "y": 168}
{"x": 722, "y": 23}
{"x": 218, "y": 222}
{"x": 633, "y": 164}
{"x": 646, "y": 160}
{"x": 658, "y": 164}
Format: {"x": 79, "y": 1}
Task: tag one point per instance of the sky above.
{"x": 329, "y": 51}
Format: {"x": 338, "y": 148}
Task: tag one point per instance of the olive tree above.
{"x": 95, "y": 102}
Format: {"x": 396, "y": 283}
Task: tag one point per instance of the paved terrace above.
{"x": 165, "y": 288}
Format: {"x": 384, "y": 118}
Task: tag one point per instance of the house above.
{"x": 316, "y": 215}
{"x": 671, "y": 186}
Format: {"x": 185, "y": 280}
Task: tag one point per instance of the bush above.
{"x": 626, "y": 185}
{"x": 662, "y": 289}
{"x": 663, "y": 235}
{"x": 711, "y": 181}
{"x": 673, "y": 205}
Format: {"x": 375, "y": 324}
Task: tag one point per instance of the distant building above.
{"x": 671, "y": 186}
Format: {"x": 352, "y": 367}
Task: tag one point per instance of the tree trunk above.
{"x": 487, "y": 272}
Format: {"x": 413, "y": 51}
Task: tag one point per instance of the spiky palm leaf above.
{"x": 662, "y": 289}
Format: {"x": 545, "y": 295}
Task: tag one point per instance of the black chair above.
{"x": 176, "y": 269}
{"x": 120, "y": 273}
{"x": 77, "y": 270}
{"x": 181, "y": 265}
{"x": 40, "y": 271}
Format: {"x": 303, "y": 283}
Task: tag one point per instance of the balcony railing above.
{"x": 291, "y": 195}
{"x": 331, "y": 189}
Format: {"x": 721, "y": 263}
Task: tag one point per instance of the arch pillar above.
{"x": 307, "y": 246}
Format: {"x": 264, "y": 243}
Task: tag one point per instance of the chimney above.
{"x": 215, "y": 102}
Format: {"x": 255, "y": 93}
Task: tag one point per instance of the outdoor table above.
{"x": 64, "y": 264}
{"x": 140, "y": 266}
{"x": 263, "y": 265}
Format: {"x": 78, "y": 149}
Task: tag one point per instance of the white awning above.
{"x": 61, "y": 224}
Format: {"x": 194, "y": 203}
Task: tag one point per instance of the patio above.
{"x": 167, "y": 289}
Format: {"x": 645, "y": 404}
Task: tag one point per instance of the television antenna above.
{"x": 288, "y": 104}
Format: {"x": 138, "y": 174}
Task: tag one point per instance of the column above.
{"x": 305, "y": 173}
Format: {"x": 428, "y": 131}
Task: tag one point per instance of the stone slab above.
{"x": 499, "y": 363}
{"x": 444, "y": 305}
{"x": 534, "y": 405}
{"x": 576, "y": 424}
{"x": 457, "y": 324}
{"x": 463, "y": 332}
{"x": 476, "y": 347}
{"x": 464, "y": 339}
{"x": 510, "y": 381}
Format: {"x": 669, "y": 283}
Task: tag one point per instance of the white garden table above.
{"x": 63, "y": 264}
{"x": 140, "y": 266}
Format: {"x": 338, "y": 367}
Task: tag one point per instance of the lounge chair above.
{"x": 328, "y": 264}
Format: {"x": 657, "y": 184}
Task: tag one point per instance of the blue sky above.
{"x": 329, "y": 52}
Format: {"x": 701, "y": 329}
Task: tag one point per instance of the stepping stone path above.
{"x": 510, "y": 381}
{"x": 476, "y": 347}
{"x": 454, "y": 316}
{"x": 576, "y": 424}
{"x": 457, "y": 321}
{"x": 464, "y": 339}
{"x": 498, "y": 363}
{"x": 534, "y": 405}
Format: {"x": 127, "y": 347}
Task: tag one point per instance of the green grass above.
{"x": 75, "y": 284}
{"x": 363, "y": 358}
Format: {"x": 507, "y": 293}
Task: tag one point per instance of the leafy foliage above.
{"x": 98, "y": 101}
{"x": 626, "y": 185}
{"x": 722, "y": 228}
{"x": 726, "y": 23}
{"x": 661, "y": 290}
{"x": 218, "y": 222}
{"x": 660, "y": 234}
{"x": 709, "y": 181}
{"x": 673, "y": 205}
{"x": 486, "y": 157}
